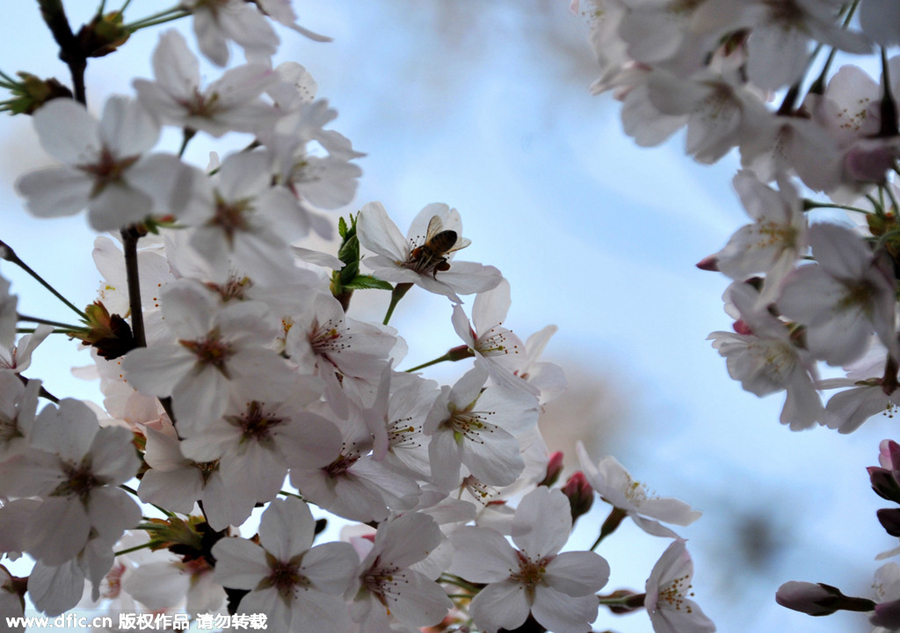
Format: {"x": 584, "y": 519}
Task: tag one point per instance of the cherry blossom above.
{"x": 398, "y": 260}
{"x": 297, "y": 585}
{"x": 616, "y": 486}
{"x": 105, "y": 169}
{"x": 533, "y": 577}
{"x": 387, "y": 589}
{"x": 668, "y": 589}
{"x": 230, "y": 103}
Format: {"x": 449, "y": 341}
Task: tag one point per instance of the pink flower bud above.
{"x": 580, "y": 494}
{"x": 554, "y": 469}
{"x": 710, "y": 263}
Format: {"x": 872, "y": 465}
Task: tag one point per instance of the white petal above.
{"x": 501, "y": 605}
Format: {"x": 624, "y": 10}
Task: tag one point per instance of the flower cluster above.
{"x": 234, "y": 378}
{"x": 815, "y": 270}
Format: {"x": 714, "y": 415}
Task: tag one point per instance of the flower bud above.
{"x": 554, "y": 469}
{"x": 890, "y": 520}
{"x": 884, "y": 483}
{"x": 580, "y": 494}
{"x": 818, "y": 599}
{"x": 710, "y": 263}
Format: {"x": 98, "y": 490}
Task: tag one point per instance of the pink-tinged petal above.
{"x": 450, "y": 221}
{"x": 176, "y": 68}
{"x": 67, "y": 131}
{"x": 482, "y": 555}
{"x": 839, "y": 251}
{"x": 420, "y": 601}
{"x": 67, "y": 431}
{"x": 113, "y": 462}
{"x": 268, "y": 601}
{"x": 407, "y": 539}
{"x": 112, "y": 511}
{"x": 494, "y": 458}
{"x": 469, "y": 277}
{"x": 319, "y": 612}
{"x": 445, "y": 454}
{"x": 243, "y": 175}
{"x": 172, "y": 185}
{"x": 55, "y": 192}
{"x": 157, "y": 585}
{"x": 500, "y": 605}
{"x": 240, "y": 564}
{"x": 378, "y": 233}
{"x": 126, "y": 128}
{"x": 468, "y": 388}
{"x": 490, "y": 308}
{"x": 56, "y": 589}
{"x": 199, "y": 399}
{"x": 330, "y": 567}
{"x": 564, "y": 614}
{"x": 311, "y": 441}
{"x": 287, "y": 528}
{"x": 577, "y": 573}
{"x": 543, "y": 523}
{"x": 669, "y": 510}
{"x": 461, "y": 326}
{"x": 514, "y": 410}
{"x": 847, "y": 410}
{"x": 210, "y": 38}
{"x": 174, "y": 490}
{"x": 242, "y": 84}
{"x": 118, "y": 205}
{"x": 156, "y": 370}
{"x": 43, "y": 541}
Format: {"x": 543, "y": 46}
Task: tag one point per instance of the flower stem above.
{"x": 130, "y": 237}
{"x": 453, "y": 355}
{"x": 132, "y": 549}
{"x": 70, "y": 52}
{"x": 188, "y": 135}
{"x": 812, "y": 204}
{"x": 398, "y": 293}
{"x": 450, "y": 579}
{"x": 609, "y": 526}
{"x": 25, "y": 317}
{"x": 9, "y": 255}
{"x": 175, "y": 13}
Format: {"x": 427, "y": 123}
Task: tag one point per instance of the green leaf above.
{"x": 342, "y": 227}
{"x": 366, "y": 282}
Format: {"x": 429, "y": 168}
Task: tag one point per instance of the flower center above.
{"x": 107, "y": 170}
{"x": 531, "y": 573}
{"x": 211, "y": 351}
{"x": 79, "y": 481}
{"x": 255, "y": 423}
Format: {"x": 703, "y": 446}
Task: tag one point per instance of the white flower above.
{"x": 615, "y": 486}
{"x": 763, "y": 358}
{"x": 105, "y": 167}
{"x": 231, "y": 103}
{"x": 477, "y": 429}
{"x": 773, "y": 243}
{"x": 495, "y": 347}
{"x": 533, "y": 577}
{"x": 668, "y": 588}
{"x": 239, "y": 215}
{"x": 386, "y": 587}
{"x": 18, "y": 405}
{"x": 218, "y": 21}
{"x": 843, "y": 298}
{"x": 298, "y": 586}
{"x": 18, "y": 357}
{"x": 74, "y": 467}
{"x": 215, "y": 346}
{"x": 417, "y": 260}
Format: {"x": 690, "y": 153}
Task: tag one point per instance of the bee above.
{"x": 430, "y": 257}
